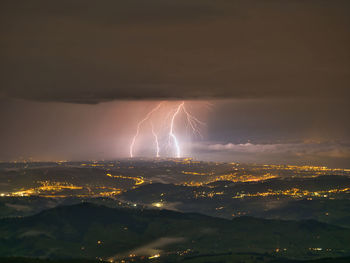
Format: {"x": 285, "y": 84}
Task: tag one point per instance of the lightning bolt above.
{"x": 193, "y": 122}
{"x": 156, "y": 140}
{"x": 171, "y": 125}
{"x": 148, "y": 115}
{"x": 171, "y": 132}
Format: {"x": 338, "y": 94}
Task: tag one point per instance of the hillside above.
{"x": 90, "y": 231}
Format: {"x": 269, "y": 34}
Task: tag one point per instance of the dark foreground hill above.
{"x": 91, "y": 231}
{"x": 247, "y": 258}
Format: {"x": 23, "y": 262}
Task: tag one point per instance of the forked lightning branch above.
{"x": 170, "y": 125}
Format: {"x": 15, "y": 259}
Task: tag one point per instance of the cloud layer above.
{"x": 89, "y": 52}
{"x": 298, "y": 149}
{"x": 330, "y": 153}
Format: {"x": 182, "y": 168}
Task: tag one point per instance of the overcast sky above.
{"x": 77, "y": 75}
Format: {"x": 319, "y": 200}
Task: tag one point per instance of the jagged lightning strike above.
{"x": 156, "y": 141}
{"x": 139, "y": 126}
{"x": 171, "y": 133}
{"x": 173, "y": 141}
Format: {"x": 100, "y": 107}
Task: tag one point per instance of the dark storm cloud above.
{"x": 94, "y": 51}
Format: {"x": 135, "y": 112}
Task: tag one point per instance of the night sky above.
{"x": 271, "y": 79}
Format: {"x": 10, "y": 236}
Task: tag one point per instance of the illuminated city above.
{"x": 224, "y": 190}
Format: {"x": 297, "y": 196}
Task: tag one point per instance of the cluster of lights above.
{"x": 138, "y": 180}
{"x": 294, "y": 192}
{"x": 232, "y": 177}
